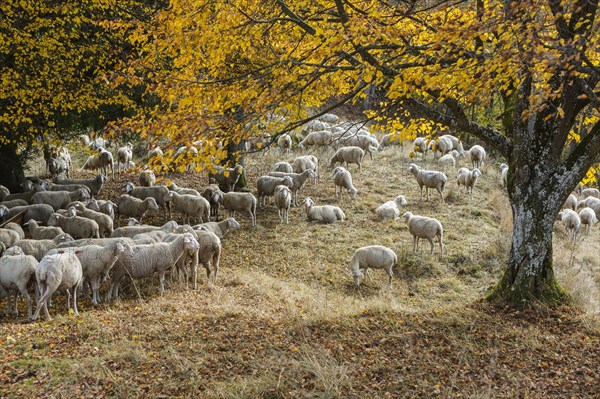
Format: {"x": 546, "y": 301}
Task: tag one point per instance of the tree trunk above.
{"x": 235, "y": 156}
{"x": 11, "y": 169}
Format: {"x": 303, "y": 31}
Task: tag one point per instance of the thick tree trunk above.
{"x": 11, "y": 169}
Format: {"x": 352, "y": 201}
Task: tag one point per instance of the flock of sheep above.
{"x": 74, "y": 243}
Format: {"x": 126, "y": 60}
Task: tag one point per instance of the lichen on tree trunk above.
{"x": 12, "y": 169}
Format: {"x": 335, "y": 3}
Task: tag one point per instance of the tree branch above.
{"x": 295, "y": 18}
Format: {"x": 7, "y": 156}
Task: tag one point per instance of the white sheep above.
{"x": 391, "y": 210}
{"x": 124, "y": 156}
{"x": 233, "y": 202}
{"x": 105, "y": 222}
{"x": 39, "y": 248}
{"x": 343, "y": 179}
{"x": 283, "y": 201}
{"x": 213, "y": 195}
{"x": 95, "y": 184}
{"x": 38, "y": 232}
{"x": 441, "y": 144}
{"x": 147, "y": 178}
{"x": 590, "y": 192}
{"x": 375, "y": 257}
{"x": 429, "y": 179}
{"x": 449, "y": 159}
{"x": 145, "y": 260}
{"x": 227, "y": 177}
{"x": 467, "y": 178}
{"x": 192, "y": 206}
{"x": 155, "y": 152}
{"x": 391, "y": 139}
{"x": 132, "y": 230}
{"x": 317, "y": 125}
{"x": 329, "y": 118}
{"x": 284, "y": 167}
{"x": 571, "y": 221}
{"x": 9, "y": 237}
{"x": 587, "y": 217}
{"x": 265, "y": 186}
{"x": 76, "y": 226}
{"x": 60, "y": 271}
{"x": 105, "y": 206}
{"x": 348, "y": 155}
{"x": 456, "y": 144}
{"x": 209, "y": 252}
{"x": 477, "y": 154}
{"x": 424, "y": 227}
{"x": 161, "y": 194}
{"x": 183, "y": 190}
{"x": 13, "y": 203}
{"x": 16, "y": 271}
{"x": 103, "y": 160}
{"x": 298, "y": 181}
{"x": 591, "y": 202}
{"x": 59, "y": 199}
{"x": 570, "y": 203}
{"x": 16, "y": 228}
{"x": 318, "y": 139}
{"x": 323, "y": 213}
{"x": 219, "y": 228}
{"x": 420, "y": 145}
{"x": 134, "y": 207}
{"x": 504, "y": 174}
{"x": 284, "y": 142}
{"x": 305, "y": 162}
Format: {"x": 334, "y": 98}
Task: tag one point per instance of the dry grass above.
{"x": 285, "y": 320}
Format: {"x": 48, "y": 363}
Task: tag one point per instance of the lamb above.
{"x": 504, "y": 174}
{"x": 343, "y": 179}
{"x": 16, "y": 271}
{"x": 348, "y": 155}
{"x": 124, "y": 156}
{"x": 145, "y": 260}
{"x": 9, "y": 237}
{"x": 284, "y": 167}
{"x": 59, "y": 199}
{"x": 38, "y": 232}
{"x": 298, "y": 180}
{"x": 192, "y": 206}
{"x": 233, "y": 202}
{"x": 424, "y": 227}
{"x": 318, "y": 139}
{"x": 373, "y": 256}
{"x": 284, "y": 142}
{"x": 391, "y": 210}
{"x": 219, "y": 228}
{"x": 39, "y": 248}
{"x": 76, "y": 226}
{"x": 103, "y": 160}
{"x": 182, "y": 190}
{"x": 147, "y": 178}
{"x": 570, "y": 203}
{"x": 95, "y": 185}
{"x": 226, "y": 177}
{"x": 161, "y": 194}
{"x": 429, "y": 179}
{"x": 265, "y": 186}
{"x": 213, "y": 195}
{"x": 130, "y": 231}
{"x": 13, "y": 203}
{"x": 448, "y": 159}
{"x": 105, "y": 222}
{"x": 57, "y": 272}
{"x": 468, "y": 179}
{"x": 283, "y": 201}
{"x": 571, "y": 221}
{"x": 323, "y": 213}
{"x": 40, "y": 212}
{"x": 588, "y": 218}
{"x": 302, "y": 163}
{"x": 478, "y": 155}
{"x": 590, "y": 192}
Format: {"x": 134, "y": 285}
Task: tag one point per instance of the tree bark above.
{"x": 12, "y": 173}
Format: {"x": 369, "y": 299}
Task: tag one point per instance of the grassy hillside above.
{"x": 285, "y": 320}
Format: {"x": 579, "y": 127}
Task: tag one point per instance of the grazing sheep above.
{"x": 265, "y": 186}
{"x": 329, "y": 118}
{"x": 76, "y": 226}
{"x": 504, "y": 174}
{"x": 16, "y": 271}
{"x": 213, "y": 195}
{"x": 323, "y": 213}
{"x": 103, "y": 160}
{"x": 391, "y": 210}
{"x": 424, "y": 227}
{"x": 367, "y": 143}
{"x": 147, "y": 178}
{"x": 57, "y": 272}
{"x": 39, "y": 212}
{"x": 571, "y": 221}
{"x": 130, "y": 231}
{"x": 192, "y": 206}
{"x": 59, "y": 199}
{"x": 284, "y": 142}
{"x": 182, "y": 190}
{"x": 298, "y": 180}
{"x": 145, "y": 260}
{"x": 441, "y": 144}
{"x": 456, "y": 144}
{"x": 420, "y": 145}
{"x": 105, "y": 222}
{"x": 95, "y": 184}
{"x": 318, "y": 139}
{"x": 449, "y": 159}
{"x": 161, "y": 194}
{"x": 343, "y": 179}
{"x": 591, "y": 202}
{"x": 219, "y": 228}
{"x": 305, "y": 162}
{"x": 478, "y": 155}
{"x": 590, "y": 192}
{"x": 38, "y": 232}
{"x": 429, "y": 179}
{"x": 348, "y": 155}
{"x": 39, "y": 248}
{"x": 587, "y": 217}
{"x": 467, "y": 178}
{"x": 226, "y": 177}
{"x": 284, "y": 167}
{"x": 375, "y": 257}
{"x": 390, "y": 139}
{"x": 316, "y": 125}
{"x": 233, "y": 202}
{"x": 283, "y": 201}
{"x": 570, "y": 203}
{"x": 124, "y": 156}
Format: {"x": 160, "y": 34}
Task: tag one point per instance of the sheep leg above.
{"x": 421, "y": 194}
{"x": 390, "y": 274}
{"x": 441, "y": 195}
{"x": 414, "y": 243}
{"x": 427, "y": 192}
{"x": 367, "y": 275}
{"x": 75, "y": 312}
{"x": 28, "y": 299}
{"x": 286, "y": 212}
{"x": 431, "y": 243}
{"x": 45, "y": 294}
{"x": 161, "y": 282}
{"x": 441, "y": 246}
{"x": 207, "y": 268}
{"x": 68, "y": 291}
